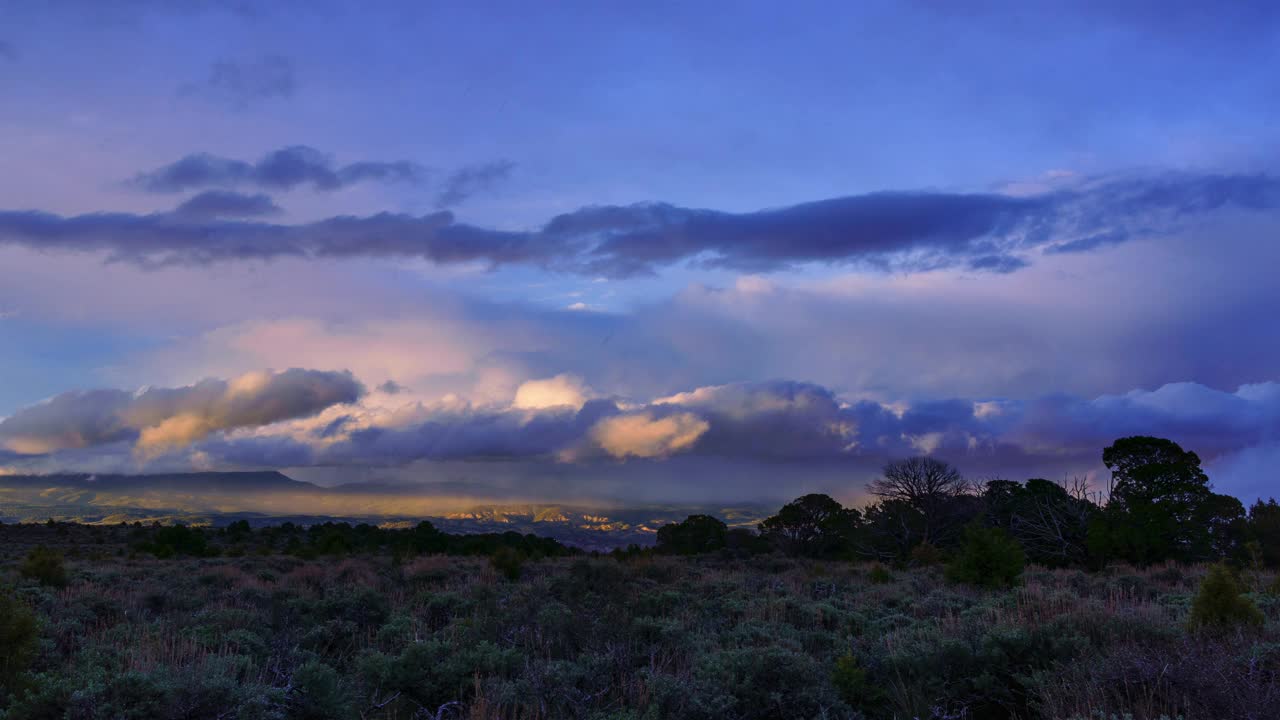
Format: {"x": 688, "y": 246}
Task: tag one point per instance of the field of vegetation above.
{"x": 824, "y": 613}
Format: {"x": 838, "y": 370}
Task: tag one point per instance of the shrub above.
{"x": 988, "y": 558}
{"x": 1221, "y": 603}
{"x": 850, "y": 680}
{"x": 926, "y": 554}
{"x": 879, "y": 575}
{"x": 319, "y": 694}
{"x": 508, "y": 561}
{"x": 44, "y": 565}
{"x": 18, "y": 638}
{"x": 769, "y": 683}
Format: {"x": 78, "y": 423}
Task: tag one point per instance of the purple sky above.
{"x": 661, "y": 253}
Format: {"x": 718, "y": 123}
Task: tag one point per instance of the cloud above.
{"x": 560, "y": 391}
{"x": 794, "y": 421}
{"x": 391, "y": 387}
{"x": 906, "y": 232}
{"x": 645, "y": 436}
{"x": 468, "y": 181}
{"x": 305, "y": 418}
{"x": 226, "y": 204}
{"x": 283, "y": 169}
{"x": 241, "y": 83}
{"x": 158, "y": 419}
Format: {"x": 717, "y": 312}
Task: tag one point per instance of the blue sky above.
{"x": 844, "y": 231}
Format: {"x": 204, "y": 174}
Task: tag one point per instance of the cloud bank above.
{"x": 893, "y": 231}
{"x": 312, "y": 418}
{"x": 158, "y": 419}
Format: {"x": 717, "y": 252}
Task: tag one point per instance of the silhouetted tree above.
{"x": 931, "y": 487}
{"x": 814, "y": 526}
{"x": 1264, "y": 529}
{"x": 1049, "y": 522}
{"x": 691, "y": 536}
{"x": 890, "y": 530}
{"x": 1226, "y": 527}
{"x": 1157, "y": 506}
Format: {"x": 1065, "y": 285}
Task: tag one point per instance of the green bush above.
{"x": 879, "y": 575}
{"x": 850, "y": 680}
{"x": 45, "y": 566}
{"x": 508, "y": 562}
{"x": 319, "y": 694}
{"x": 18, "y": 639}
{"x": 988, "y": 558}
{"x": 769, "y": 683}
{"x": 1221, "y": 603}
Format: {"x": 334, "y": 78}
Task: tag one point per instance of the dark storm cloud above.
{"x": 161, "y": 418}
{"x": 888, "y": 231}
{"x": 468, "y": 181}
{"x": 283, "y": 169}
{"x": 241, "y": 83}
{"x": 226, "y": 204}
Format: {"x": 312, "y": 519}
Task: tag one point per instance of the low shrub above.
{"x": 18, "y": 639}
{"x": 508, "y": 562}
{"x": 45, "y": 566}
{"x": 879, "y": 575}
{"x": 1221, "y": 603}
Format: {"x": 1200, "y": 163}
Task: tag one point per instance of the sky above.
{"x": 663, "y": 253}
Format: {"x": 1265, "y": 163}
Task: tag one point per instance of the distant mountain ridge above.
{"x": 251, "y": 481}
{"x": 267, "y": 497}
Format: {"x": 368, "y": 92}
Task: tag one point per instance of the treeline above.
{"x": 1160, "y": 507}
{"x": 335, "y": 538}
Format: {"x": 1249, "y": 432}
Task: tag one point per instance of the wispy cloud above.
{"x": 242, "y": 83}
{"x": 468, "y": 181}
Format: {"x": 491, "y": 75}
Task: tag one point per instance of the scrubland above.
{"x": 262, "y": 634}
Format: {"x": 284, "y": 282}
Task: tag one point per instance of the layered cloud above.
{"x": 159, "y": 419}
{"x": 226, "y": 204}
{"x": 900, "y": 231}
{"x": 283, "y": 169}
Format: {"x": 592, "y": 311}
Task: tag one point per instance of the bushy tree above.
{"x": 1160, "y": 505}
{"x": 694, "y": 535}
{"x": 813, "y": 526}
{"x": 988, "y": 558}
{"x": 1221, "y": 603}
